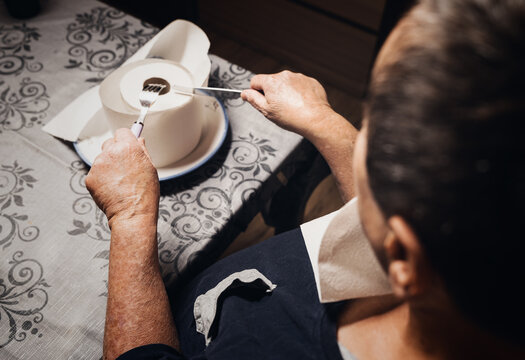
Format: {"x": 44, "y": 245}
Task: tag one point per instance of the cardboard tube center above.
{"x": 157, "y": 80}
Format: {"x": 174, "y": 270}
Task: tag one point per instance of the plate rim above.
{"x": 199, "y": 163}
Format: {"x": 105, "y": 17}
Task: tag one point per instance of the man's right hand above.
{"x": 123, "y": 181}
{"x": 298, "y": 103}
{"x": 293, "y": 101}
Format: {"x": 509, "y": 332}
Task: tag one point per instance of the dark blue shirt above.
{"x": 288, "y": 323}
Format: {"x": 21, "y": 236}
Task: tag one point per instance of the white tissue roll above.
{"x": 173, "y": 137}
{"x": 132, "y": 83}
{"x": 173, "y": 126}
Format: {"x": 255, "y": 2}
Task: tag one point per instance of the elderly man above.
{"x": 439, "y": 178}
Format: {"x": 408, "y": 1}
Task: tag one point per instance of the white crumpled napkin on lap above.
{"x": 344, "y": 263}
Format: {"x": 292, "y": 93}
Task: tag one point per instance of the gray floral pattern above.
{"x": 13, "y": 181}
{"x": 89, "y": 222}
{"x": 15, "y": 49}
{"x": 98, "y": 228}
{"x": 22, "y": 106}
{"x": 51, "y": 231}
{"x": 235, "y": 77}
{"x": 23, "y": 296}
{"x": 102, "y": 39}
{"x": 193, "y": 213}
{"x": 197, "y": 214}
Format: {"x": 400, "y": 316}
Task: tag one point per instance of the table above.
{"x": 54, "y": 242}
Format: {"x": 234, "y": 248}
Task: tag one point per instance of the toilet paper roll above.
{"x": 133, "y": 81}
{"x": 173, "y": 125}
{"x": 181, "y": 42}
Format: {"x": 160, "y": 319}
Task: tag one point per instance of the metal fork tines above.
{"x": 147, "y": 97}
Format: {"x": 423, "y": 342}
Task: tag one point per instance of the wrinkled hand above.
{"x": 293, "y": 101}
{"x": 123, "y": 181}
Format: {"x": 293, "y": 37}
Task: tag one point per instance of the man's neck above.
{"x": 448, "y": 335}
{"x": 403, "y": 332}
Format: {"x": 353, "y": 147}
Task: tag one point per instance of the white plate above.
{"x": 214, "y": 131}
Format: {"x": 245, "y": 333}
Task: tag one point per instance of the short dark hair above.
{"x": 446, "y": 151}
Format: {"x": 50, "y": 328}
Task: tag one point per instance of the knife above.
{"x": 191, "y": 90}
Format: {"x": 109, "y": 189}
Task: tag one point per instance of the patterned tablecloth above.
{"x": 54, "y": 242}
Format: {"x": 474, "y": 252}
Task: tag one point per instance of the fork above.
{"x": 147, "y": 97}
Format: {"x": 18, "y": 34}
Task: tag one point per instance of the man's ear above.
{"x": 408, "y": 268}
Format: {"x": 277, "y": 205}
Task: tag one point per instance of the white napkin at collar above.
{"x": 344, "y": 263}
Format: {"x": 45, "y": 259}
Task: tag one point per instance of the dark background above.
{"x": 334, "y": 41}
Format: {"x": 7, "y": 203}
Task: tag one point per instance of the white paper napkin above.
{"x": 343, "y": 261}
{"x": 181, "y": 42}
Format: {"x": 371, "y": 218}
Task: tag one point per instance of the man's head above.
{"x": 440, "y": 165}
